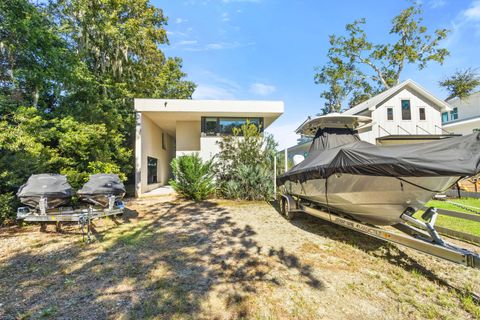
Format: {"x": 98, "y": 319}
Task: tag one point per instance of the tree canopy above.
{"x": 358, "y": 68}
{"x": 69, "y": 70}
{"x": 461, "y": 84}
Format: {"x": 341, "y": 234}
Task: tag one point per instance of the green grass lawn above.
{"x": 457, "y": 224}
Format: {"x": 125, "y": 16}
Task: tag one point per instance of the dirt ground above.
{"x": 169, "y": 259}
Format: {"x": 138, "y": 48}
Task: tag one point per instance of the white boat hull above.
{"x": 376, "y": 200}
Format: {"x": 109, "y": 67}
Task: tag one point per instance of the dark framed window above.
{"x": 422, "y": 114}
{"x": 163, "y": 141}
{"x": 444, "y": 116}
{"x": 389, "y": 113}
{"x": 221, "y": 126}
{"x": 406, "y": 111}
{"x": 454, "y": 114}
{"x": 152, "y": 166}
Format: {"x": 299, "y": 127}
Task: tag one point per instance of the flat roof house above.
{"x": 166, "y": 128}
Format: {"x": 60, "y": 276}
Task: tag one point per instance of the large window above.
{"x": 151, "y": 170}
{"x": 444, "y": 117}
{"x": 389, "y": 113}
{"x": 422, "y": 113}
{"x": 224, "y": 126}
{"x": 406, "y": 111}
{"x": 454, "y": 114}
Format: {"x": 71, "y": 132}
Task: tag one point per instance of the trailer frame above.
{"x": 83, "y": 216}
{"x": 415, "y": 234}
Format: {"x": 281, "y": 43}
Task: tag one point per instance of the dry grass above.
{"x": 169, "y": 259}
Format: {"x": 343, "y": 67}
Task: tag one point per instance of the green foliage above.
{"x": 8, "y": 204}
{"x": 78, "y": 64}
{"x": 245, "y": 164}
{"x": 462, "y": 83}
{"x": 358, "y": 68}
{"x": 193, "y": 177}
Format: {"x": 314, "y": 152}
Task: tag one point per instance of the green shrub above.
{"x": 8, "y": 207}
{"x": 193, "y": 177}
{"x": 244, "y": 169}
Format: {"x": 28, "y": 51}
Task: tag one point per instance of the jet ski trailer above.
{"x": 363, "y": 187}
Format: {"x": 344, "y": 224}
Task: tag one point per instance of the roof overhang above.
{"x": 166, "y": 112}
{"x": 332, "y": 120}
{"x": 462, "y": 122}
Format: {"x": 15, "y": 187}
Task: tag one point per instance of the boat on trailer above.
{"x": 363, "y": 186}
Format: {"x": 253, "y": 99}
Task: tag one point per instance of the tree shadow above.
{"x": 166, "y": 265}
{"x": 376, "y": 247}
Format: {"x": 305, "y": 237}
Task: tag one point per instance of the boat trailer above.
{"x": 417, "y": 234}
{"x": 83, "y": 216}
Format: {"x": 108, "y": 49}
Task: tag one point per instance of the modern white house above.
{"x": 405, "y": 113}
{"x": 166, "y": 128}
{"x": 464, "y": 117}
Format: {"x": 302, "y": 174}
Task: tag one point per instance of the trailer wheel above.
{"x": 285, "y": 208}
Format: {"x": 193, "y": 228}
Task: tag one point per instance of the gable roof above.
{"x": 379, "y": 98}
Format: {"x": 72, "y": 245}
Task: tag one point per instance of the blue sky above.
{"x": 268, "y": 49}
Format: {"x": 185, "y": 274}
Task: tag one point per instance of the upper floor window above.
{"x": 454, "y": 114}
{"x": 444, "y": 116}
{"x": 422, "y": 113}
{"x": 163, "y": 141}
{"x": 389, "y": 113}
{"x": 215, "y": 126}
{"x": 406, "y": 111}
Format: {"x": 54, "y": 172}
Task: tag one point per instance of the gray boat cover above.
{"x": 46, "y": 185}
{"x": 103, "y": 184}
{"x": 341, "y": 151}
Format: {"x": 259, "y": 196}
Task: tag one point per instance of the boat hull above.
{"x": 377, "y": 200}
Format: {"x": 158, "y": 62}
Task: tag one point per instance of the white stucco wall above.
{"x": 187, "y": 136}
{"x": 149, "y": 144}
{"x": 379, "y": 117}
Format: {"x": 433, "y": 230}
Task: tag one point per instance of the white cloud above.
{"x": 212, "y": 92}
{"x": 284, "y": 134}
{"x": 473, "y": 13}
{"x": 215, "y": 46}
{"x": 262, "y": 89}
{"x": 436, "y": 3}
{"x": 180, "y": 20}
{"x": 214, "y": 86}
{"x": 225, "y": 17}
{"x": 186, "y": 42}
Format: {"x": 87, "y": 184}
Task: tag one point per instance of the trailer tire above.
{"x": 285, "y": 209}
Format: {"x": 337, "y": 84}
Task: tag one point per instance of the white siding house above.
{"x": 464, "y": 117}
{"x": 405, "y": 113}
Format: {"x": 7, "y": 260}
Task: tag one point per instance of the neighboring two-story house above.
{"x": 169, "y": 128}
{"x": 405, "y": 113}
{"x": 464, "y": 117}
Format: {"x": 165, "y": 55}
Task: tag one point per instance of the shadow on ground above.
{"x": 165, "y": 265}
{"x": 376, "y": 247}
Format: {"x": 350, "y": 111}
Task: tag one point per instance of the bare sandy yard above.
{"x": 170, "y": 259}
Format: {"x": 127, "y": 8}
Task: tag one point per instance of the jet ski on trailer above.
{"x": 362, "y": 186}
{"x": 45, "y": 190}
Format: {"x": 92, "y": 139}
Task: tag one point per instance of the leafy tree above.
{"x": 244, "y": 167}
{"x": 193, "y": 177}
{"x": 461, "y": 84}
{"x": 360, "y": 68}
{"x": 69, "y": 70}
